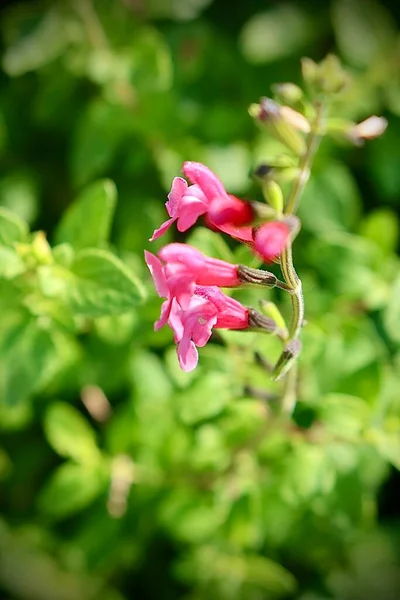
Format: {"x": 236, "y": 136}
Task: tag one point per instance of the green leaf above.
{"x": 40, "y": 46}
{"x": 69, "y": 434}
{"x": 205, "y": 399}
{"x": 382, "y": 227}
{"x": 344, "y": 415}
{"x": 29, "y": 361}
{"x": 364, "y": 30}
{"x": 276, "y": 33}
{"x": 70, "y": 489}
{"x": 105, "y": 286}
{"x": 391, "y": 315}
{"x": 341, "y": 203}
{"x": 87, "y": 222}
{"x": 97, "y": 285}
{"x": 10, "y": 263}
{"x": 12, "y": 228}
{"x": 99, "y": 131}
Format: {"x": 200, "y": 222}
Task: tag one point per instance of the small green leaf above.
{"x": 278, "y": 32}
{"x": 364, "y": 30}
{"x": 10, "y": 263}
{"x": 69, "y": 434}
{"x": 382, "y": 227}
{"x": 87, "y": 222}
{"x": 97, "y": 285}
{"x": 29, "y": 360}
{"x": 40, "y": 46}
{"x": 205, "y": 399}
{"x": 391, "y": 315}
{"x": 104, "y": 286}
{"x": 70, "y": 489}
{"x": 344, "y": 415}
{"x": 12, "y": 228}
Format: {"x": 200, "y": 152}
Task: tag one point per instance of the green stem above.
{"x": 286, "y": 260}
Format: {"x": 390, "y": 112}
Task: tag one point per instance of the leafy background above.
{"x": 122, "y": 477}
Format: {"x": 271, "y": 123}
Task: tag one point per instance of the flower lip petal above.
{"x": 188, "y": 355}
{"x": 157, "y": 272}
{"x": 205, "y": 179}
{"x": 178, "y": 189}
{"x": 161, "y": 230}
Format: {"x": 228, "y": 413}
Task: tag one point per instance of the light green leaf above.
{"x": 344, "y": 415}
{"x": 364, "y": 30}
{"x": 40, "y": 46}
{"x": 391, "y": 315}
{"x": 99, "y": 131}
{"x": 205, "y": 399}
{"x": 308, "y": 473}
{"x": 87, "y": 222}
{"x": 331, "y": 200}
{"x": 382, "y": 227}
{"x": 105, "y": 285}
{"x": 150, "y": 381}
{"x": 30, "y": 358}
{"x": 97, "y": 285}
{"x": 12, "y": 228}
{"x": 69, "y": 434}
{"x": 10, "y": 263}
{"x": 70, "y": 489}
{"x": 276, "y": 33}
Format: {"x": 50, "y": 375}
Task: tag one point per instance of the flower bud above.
{"x": 271, "y": 310}
{"x": 286, "y": 359}
{"x": 270, "y": 240}
{"x": 327, "y": 77}
{"x": 273, "y": 195}
{"x": 280, "y": 125}
{"x": 288, "y": 92}
{"x": 368, "y": 129}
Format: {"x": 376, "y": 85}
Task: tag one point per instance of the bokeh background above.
{"x": 122, "y": 477}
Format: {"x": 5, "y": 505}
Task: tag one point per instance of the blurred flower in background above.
{"x": 121, "y": 476}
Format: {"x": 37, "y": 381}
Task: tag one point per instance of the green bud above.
{"x": 279, "y": 126}
{"x": 41, "y": 249}
{"x": 326, "y": 77}
{"x": 289, "y": 93}
{"x": 270, "y": 309}
{"x": 273, "y": 195}
{"x": 309, "y": 70}
{"x": 332, "y": 78}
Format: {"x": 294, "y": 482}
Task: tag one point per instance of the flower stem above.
{"x": 289, "y": 273}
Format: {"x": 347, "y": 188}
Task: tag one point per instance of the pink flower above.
{"x": 207, "y": 196}
{"x": 184, "y": 268}
{"x": 270, "y": 240}
{"x": 184, "y": 260}
{"x": 185, "y": 205}
{"x": 222, "y": 207}
{"x": 192, "y": 327}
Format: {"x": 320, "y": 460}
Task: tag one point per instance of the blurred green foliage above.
{"x": 121, "y": 476}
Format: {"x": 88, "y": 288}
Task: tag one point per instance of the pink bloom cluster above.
{"x": 190, "y": 281}
{"x": 194, "y": 303}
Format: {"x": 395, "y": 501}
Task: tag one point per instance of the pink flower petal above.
{"x": 157, "y": 272}
{"x": 161, "y": 230}
{"x": 187, "y": 355}
{"x": 165, "y": 314}
{"x": 178, "y": 189}
{"x": 270, "y": 239}
{"x": 205, "y": 179}
{"x": 229, "y": 210}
